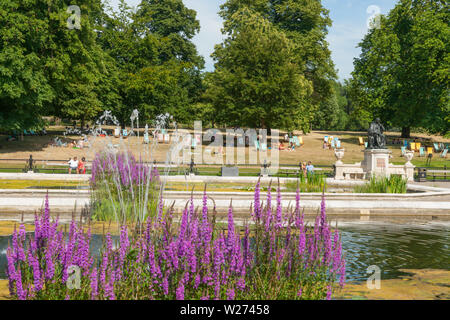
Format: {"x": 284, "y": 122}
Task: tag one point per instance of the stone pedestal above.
{"x": 376, "y": 162}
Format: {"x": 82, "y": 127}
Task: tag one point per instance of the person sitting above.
{"x": 281, "y": 146}
{"x": 81, "y": 166}
{"x": 304, "y": 169}
{"x": 73, "y": 165}
{"x": 310, "y": 168}
{"x": 325, "y": 145}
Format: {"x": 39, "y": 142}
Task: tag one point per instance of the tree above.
{"x": 48, "y": 67}
{"x": 159, "y": 69}
{"x": 401, "y": 75}
{"x": 305, "y": 23}
{"x": 257, "y": 81}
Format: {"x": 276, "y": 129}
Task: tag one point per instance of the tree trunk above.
{"x": 406, "y": 132}
{"x": 82, "y": 122}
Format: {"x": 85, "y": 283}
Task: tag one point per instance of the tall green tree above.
{"x": 159, "y": 68}
{"x": 402, "y": 73}
{"x": 305, "y": 23}
{"x": 47, "y": 66}
{"x": 257, "y": 81}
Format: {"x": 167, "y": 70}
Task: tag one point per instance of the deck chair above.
{"x": 125, "y": 133}
{"x": 338, "y": 144}
{"x": 325, "y": 139}
{"x": 418, "y": 146}
{"x": 412, "y": 146}
{"x": 167, "y": 138}
{"x": 403, "y": 150}
{"x": 297, "y": 142}
{"x": 256, "y": 142}
{"x": 444, "y": 153}
{"x": 366, "y": 144}
{"x": 422, "y": 152}
{"x": 117, "y": 132}
{"x": 333, "y": 144}
{"x": 300, "y": 139}
{"x": 405, "y": 143}
{"x": 361, "y": 141}
{"x": 436, "y": 147}
{"x": 160, "y": 137}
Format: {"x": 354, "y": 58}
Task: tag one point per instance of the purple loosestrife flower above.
{"x": 278, "y": 221}
{"x": 94, "y": 284}
{"x": 34, "y": 263}
{"x": 197, "y": 281}
{"x": 165, "y": 285}
{"x": 230, "y": 294}
{"x": 328, "y": 292}
{"x": 299, "y": 293}
{"x": 180, "y": 290}
{"x": 10, "y": 270}
{"x": 269, "y": 210}
{"x": 21, "y": 293}
{"x": 257, "y": 205}
{"x": 230, "y": 234}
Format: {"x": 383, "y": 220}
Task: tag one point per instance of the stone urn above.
{"x": 339, "y": 154}
{"x": 408, "y": 156}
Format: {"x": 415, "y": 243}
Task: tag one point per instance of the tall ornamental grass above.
{"x": 123, "y": 189}
{"x": 312, "y": 182}
{"x": 393, "y": 184}
{"x": 276, "y": 256}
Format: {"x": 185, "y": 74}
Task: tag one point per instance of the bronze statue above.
{"x": 377, "y": 140}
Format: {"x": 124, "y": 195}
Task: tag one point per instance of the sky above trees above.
{"x": 349, "y": 27}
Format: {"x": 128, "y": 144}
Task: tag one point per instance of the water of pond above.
{"x": 389, "y": 246}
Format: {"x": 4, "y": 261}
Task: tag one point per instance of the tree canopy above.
{"x": 402, "y": 74}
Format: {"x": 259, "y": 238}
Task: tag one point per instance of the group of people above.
{"x": 77, "y": 166}
{"x": 306, "y": 168}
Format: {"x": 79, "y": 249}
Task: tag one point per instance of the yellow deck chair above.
{"x": 300, "y": 139}
{"x": 418, "y": 145}
{"x": 412, "y": 146}
{"x": 361, "y": 141}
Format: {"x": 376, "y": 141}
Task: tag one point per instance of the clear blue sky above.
{"x": 349, "y": 27}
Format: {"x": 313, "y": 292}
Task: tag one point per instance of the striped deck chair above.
{"x": 256, "y": 142}
{"x": 403, "y": 150}
{"x": 361, "y": 141}
{"x": 366, "y": 144}
{"x": 146, "y": 138}
{"x": 125, "y": 133}
{"x": 418, "y": 146}
{"x": 444, "y": 153}
{"x": 436, "y": 147}
{"x": 332, "y": 144}
{"x": 338, "y": 144}
{"x": 263, "y": 146}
